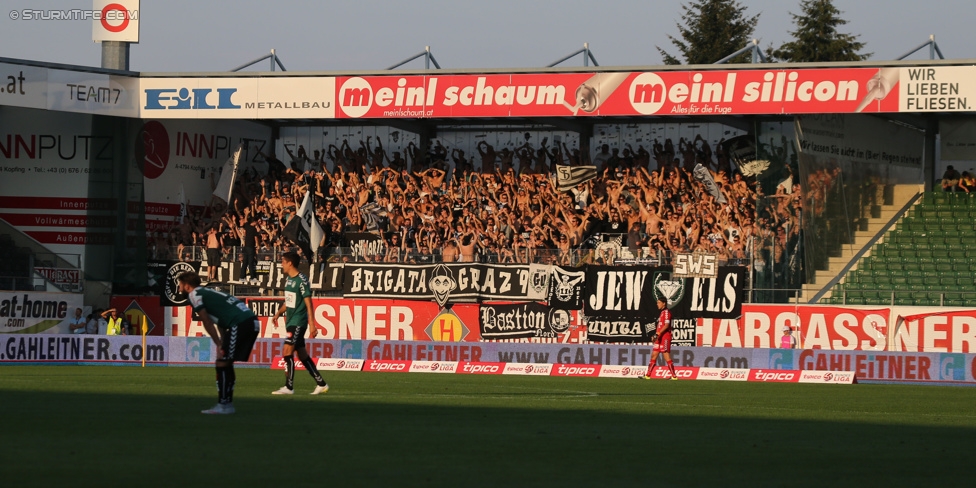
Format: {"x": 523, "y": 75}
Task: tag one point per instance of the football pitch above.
{"x": 127, "y": 426}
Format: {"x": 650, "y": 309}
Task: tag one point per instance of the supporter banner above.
{"x": 619, "y": 329}
{"x": 567, "y": 177}
{"x": 620, "y": 292}
{"x": 32, "y": 312}
{"x": 566, "y": 288}
{"x": 631, "y": 293}
{"x": 522, "y": 320}
{"x": 719, "y": 297}
{"x": 682, "y": 93}
{"x": 365, "y": 244}
{"x": 819, "y": 327}
{"x": 445, "y": 283}
{"x": 933, "y": 330}
{"x": 162, "y": 278}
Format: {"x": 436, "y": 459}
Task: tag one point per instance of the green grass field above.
{"x": 124, "y": 426}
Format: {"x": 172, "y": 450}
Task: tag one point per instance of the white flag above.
{"x": 227, "y": 177}
{"x": 182, "y": 204}
{"x": 311, "y": 225}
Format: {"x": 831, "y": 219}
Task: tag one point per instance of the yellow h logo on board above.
{"x": 447, "y": 327}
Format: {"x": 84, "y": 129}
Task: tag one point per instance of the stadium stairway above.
{"x": 926, "y": 259}
{"x": 838, "y": 266}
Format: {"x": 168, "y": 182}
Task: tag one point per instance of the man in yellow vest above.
{"x": 116, "y": 325}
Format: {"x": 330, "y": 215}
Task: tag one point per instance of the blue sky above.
{"x": 344, "y": 35}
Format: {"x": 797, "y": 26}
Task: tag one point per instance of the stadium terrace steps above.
{"x": 902, "y": 195}
{"x": 926, "y": 259}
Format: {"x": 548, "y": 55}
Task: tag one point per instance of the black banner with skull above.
{"x": 446, "y": 283}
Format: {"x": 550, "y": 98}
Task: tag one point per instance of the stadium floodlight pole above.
{"x": 933, "y": 49}
{"x": 274, "y": 60}
{"x": 587, "y": 57}
{"x": 428, "y": 58}
{"x": 752, "y": 46}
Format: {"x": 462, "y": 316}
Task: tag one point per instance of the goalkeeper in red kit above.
{"x": 661, "y": 340}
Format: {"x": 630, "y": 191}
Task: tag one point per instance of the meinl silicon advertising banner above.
{"x": 444, "y": 283}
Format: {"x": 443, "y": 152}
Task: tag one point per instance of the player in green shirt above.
{"x": 298, "y": 319}
{"x": 231, "y": 325}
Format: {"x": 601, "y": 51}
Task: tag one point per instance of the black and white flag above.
{"x": 567, "y": 177}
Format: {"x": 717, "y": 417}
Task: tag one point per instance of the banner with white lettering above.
{"x": 443, "y": 283}
{"x": 620, "y": 292}
{"x": 365, "y": 244}
{"x": 566, "y": 288}
{"x": 522, "y": 320}
{"x": 162, "y": 278}
{"x": 715, "y": 298}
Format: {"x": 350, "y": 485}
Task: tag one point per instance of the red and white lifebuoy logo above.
{"x": 647, "y": 93}
{"x": 355, "y": 97}
{"x": 155, "y": 149}
{"x": 115, "y": 20}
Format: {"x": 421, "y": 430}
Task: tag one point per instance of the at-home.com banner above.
{"x": 31, "y": 312}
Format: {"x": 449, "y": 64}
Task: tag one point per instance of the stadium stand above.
{"x": 926, "y": 259}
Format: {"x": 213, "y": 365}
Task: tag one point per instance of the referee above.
{"x": 231, "y": 325}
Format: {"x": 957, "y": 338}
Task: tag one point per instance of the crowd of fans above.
{"x": 503, "y": 205}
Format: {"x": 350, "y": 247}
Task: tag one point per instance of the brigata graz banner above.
{"x": 444, "y": 283}
{"x": 620, "y": 303}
